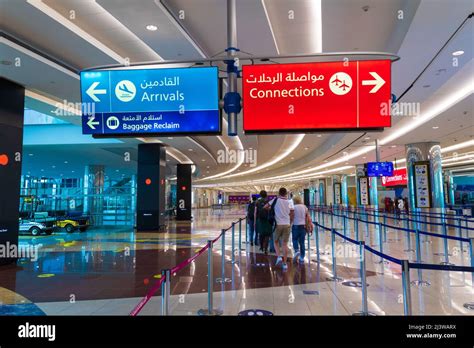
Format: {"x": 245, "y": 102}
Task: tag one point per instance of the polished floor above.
{"x": 108, "y": 271}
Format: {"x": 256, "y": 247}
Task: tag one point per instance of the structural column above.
{"x": 360, "y": 171}
{"x": 345, "y": 198}
{"x": 12, "y": 105}
{"x": 94, "y": 178}
{"x": 430, "y": 153}
{"x": 332, "y": 189}
{"x": 322, "y": 192}
{"x": 450, "y": 186}
{"x": 306, "y": 196}
{"x": 183, "y": 193}
{"x": 151, "y": 187}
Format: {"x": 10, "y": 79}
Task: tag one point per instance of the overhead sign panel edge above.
{"x": 152, "y": 102}
{"x": 325, "y": 96}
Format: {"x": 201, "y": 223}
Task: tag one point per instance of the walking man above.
{"x": 283, "y": 211}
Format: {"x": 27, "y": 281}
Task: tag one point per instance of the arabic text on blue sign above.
{"x": 159, "y": 101}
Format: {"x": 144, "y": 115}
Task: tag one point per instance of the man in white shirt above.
{"x": 284, "y": 215}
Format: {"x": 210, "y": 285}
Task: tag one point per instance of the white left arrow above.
{"x": 378, "y": 82}
{"x": 91, "y": 91}
{"x": 91, "y": 122}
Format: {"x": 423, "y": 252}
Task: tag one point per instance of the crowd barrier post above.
{"x": 332, "y": 220}
{"x": 316, "y": 237}
{"x": 247, "y": 232}
{"x": 471, "y": 256}
{"x": 420, "y": 281}
{"x": 165, "y": 292}
{"x": 240, "y": 235}
{"x": 425, "y": 222}
{"x": 406, "y": 287}
{"x": 366, "y": 224}
{"x": 363, "y": 281}
{"x": 210, "y": 284}
{"x": 356, "y": 225}
{"x": 418, "y": 247}
{"x": 445, "y": 241}
{"x": 384, "y": 227}
{"x": 344, "y": 224}
{"x": 407, "y": 227}
{"x": 381, "y": 246}
{"x": 459, "y": 228}
{"x": 223, "y": 255}
{"x": 309, "y": 247}
{"x": 233, "y": 243}
{"x": 333, "y": 252}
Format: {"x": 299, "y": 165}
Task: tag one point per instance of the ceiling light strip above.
{"x": 270, "y": 25}
{"x": 296, "y": 142}
{"x": 38, "y": 4}
{"x": 38, "y": 57}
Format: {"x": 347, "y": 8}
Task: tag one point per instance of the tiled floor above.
{"x": 108, "y": 272}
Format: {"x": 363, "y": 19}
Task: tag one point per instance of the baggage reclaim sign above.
{"x": 316, "y": 96}
{"x": 150, "y": 102}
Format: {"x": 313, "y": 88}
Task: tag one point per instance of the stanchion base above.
{"x": 441, "y": 254}
{"x": 214, "y": 312}
{"x": 409, "y": 250}
{"x": 382, "y": 261}
{"x": 420, "y": 283}
{"x": 353, "y": 284}
{"x": 469, "y": 305}
{"x": 334, "y": 279}
{"x": 315, "y": 261}
{"x": 364, "y": 314}
{"x": 233, "y": 262}
{"x": 427, "y": 241}
{"x": 226, "y": 280}
{"x": 444, "y": 263}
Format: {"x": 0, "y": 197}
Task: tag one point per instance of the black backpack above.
{"x": 262, "y": 214}
{"x": 271, "y": 213}
{"x": 251, "y": 211}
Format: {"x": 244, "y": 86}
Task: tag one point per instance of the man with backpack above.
{"x": 251, "y": 221}
{"x": 281, "y": 215}
{"x": 262, "y": 225}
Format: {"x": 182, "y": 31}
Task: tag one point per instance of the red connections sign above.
{"x": 398, "y": 178}
{"x": 316, "y": 96}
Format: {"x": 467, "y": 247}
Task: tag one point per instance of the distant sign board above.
{"x": 399, "y": 178}
{"x": 379, "y": 169}
{"x": 337, "y": 193}
{"x": 364, "y": 190}
{"x": 238, "y": 198}
{"x": 150, "y": 102}
{"x": 316, "y": 96}
{"x": 421, "y": 178}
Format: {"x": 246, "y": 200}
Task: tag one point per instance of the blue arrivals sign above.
{"x": 150, "y": 102}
